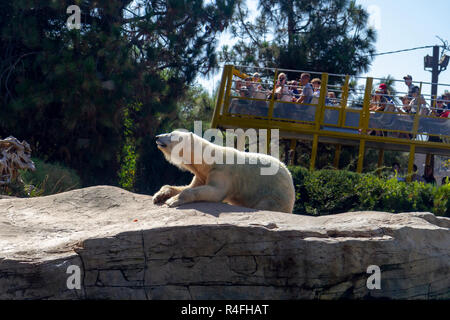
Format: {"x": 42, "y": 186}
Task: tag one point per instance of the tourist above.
{"x": 418, "y": 102}
{"x": 316, "y": 87}
{"x": 439, "y": 107}
{"x": 282, "y": 92}
{"x": 405, "y": 108}
{"x": 331, "y": 99}
{"x": 307, "y": 90}
{"x": 408, "y": 82}
{"x": 381, "y": 100}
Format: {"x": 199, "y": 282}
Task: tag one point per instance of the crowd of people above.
{"x": 307, "y": 91}
{"x": 412, "y": 102}
{"x": 303, "y": 91}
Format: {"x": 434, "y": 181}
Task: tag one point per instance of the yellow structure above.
{"x": 318, "y": 121}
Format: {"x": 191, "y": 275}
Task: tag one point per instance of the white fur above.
{"x": 236, "y": 184}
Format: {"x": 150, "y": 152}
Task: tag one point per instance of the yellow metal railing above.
{"x": 318, "y": 127}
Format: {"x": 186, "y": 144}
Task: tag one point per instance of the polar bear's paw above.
{"x": 174, "y": 201}
{"x": 162, "y": 195}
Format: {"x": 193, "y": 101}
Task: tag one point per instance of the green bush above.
{"x": 441, "y": 203}
{"x": 49, "y": 178}
{"x": 390, "y": 195}
{"x": 324, "y": 192}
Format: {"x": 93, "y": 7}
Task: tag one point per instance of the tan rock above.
{"x": 128, "y": 248}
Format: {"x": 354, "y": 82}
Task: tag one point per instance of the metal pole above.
{"x": 435, "y": 73}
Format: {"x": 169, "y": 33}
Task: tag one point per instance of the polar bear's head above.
{"x": 177, "y": 147}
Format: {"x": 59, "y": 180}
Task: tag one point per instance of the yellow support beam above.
{"x": 362, "y": 146}
{"x": 364, "y": 123}
{"x": 292, "y": 151}
{"x": 365, "y": 114}
{"x": 226, "y": 107}
{"x": 412, "y": 151}
{"x": 344, "y": 99}
{"x": 219, "y": 102}
{"x": 337, "y": 155}
{"x": 272, "y": 100}
{"x": 320, "y": 111}
{"x": 417, "y": 116}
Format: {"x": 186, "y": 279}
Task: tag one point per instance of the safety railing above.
{"x": 251, "y": 97}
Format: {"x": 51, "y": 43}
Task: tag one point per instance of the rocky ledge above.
{"x": 124, "y": 247}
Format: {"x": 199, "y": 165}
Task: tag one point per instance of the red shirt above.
{"x": 445, "y": 114}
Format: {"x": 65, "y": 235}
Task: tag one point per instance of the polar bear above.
{"x": 238, "y": 183}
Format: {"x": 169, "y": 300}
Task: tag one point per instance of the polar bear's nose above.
{"x": 163, "y": 139}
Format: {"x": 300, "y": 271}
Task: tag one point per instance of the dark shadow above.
{"x": 214, "y": 208}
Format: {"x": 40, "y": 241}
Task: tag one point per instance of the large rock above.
{"x": 128, "y": 248}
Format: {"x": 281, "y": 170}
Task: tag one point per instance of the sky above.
{"x": 400, "y": 24}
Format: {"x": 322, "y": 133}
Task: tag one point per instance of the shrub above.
{"x": 324, "y": 192}
{"x": 299, "y": 175}
{"x": 369, "y": 191}
{"x": 406, "y": 197}
{"x": 331, "y": 191}
{"x": 441, "y": 203}
{"x": 49, "y": 178}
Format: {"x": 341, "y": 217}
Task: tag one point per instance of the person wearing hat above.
{"x": 381, "y": 100}
{"x": 408, "y": 82}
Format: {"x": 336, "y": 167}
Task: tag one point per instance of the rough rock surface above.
{"x": 128, "y": 248}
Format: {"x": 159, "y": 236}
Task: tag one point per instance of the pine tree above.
{"x": 318, "y": 35}
{"x": 67, "y": 91}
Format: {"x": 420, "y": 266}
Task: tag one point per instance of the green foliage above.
{"x": 196, "y": 105}
{"x": 128, "y": 157}
{"x": 441, "y": 202}
{"x": 324, "y": 192}
{"x": 49, "y": 178}
{"x": 318, "y": 35}
{"x": 64, "y": 91}
{"x": 393, "y": 196}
